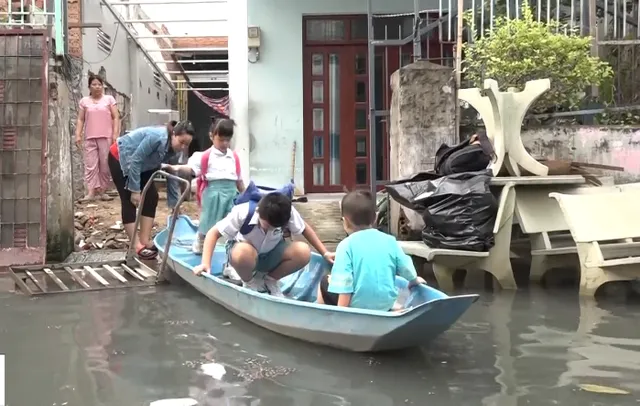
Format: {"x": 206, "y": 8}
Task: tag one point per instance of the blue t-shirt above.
{"x": 366, "y": 265}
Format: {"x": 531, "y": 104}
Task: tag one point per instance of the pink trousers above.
{"x": 96, "y": 168}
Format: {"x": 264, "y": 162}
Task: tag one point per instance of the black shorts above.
{"x": 328, "y": 297}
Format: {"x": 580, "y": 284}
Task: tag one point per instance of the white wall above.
{"x": 94, "y": 58}
{"x": 145, "y": 94}
{"x": 275, "y": 82}
{"x": 127, "y": 69}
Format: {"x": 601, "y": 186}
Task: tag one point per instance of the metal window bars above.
{"x": 420, "y": 29}
{"x": 27, "y": 14}
{"x": 615, "y": 23}
{"x": 37, "y": 14}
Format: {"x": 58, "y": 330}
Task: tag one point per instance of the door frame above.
{"x": 392, "y": 61}
{"x": 348, "y": 106}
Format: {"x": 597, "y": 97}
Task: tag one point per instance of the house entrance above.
{"x": 336, "y": 97}
{"x": 336, "y": 118}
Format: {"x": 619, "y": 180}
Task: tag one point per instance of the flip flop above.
{"x": 153, "y": 248}
{"x": 147, "y": 254}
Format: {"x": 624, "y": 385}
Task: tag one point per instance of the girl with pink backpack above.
{"x": 219, "y": 179}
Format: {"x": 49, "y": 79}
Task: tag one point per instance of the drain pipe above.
{"x": 131, "y": 35}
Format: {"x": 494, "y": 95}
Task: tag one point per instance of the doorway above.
{"x": 336, "y": 117}
{"x": 336, "y": 97}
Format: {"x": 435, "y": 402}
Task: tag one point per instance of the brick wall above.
{"x": 74, "y": 16}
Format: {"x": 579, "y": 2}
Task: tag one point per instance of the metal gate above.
{"x": 23, "y": 143}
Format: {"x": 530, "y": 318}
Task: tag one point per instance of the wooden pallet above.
{"x": 80, "y": 277}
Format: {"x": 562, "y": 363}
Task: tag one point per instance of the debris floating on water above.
{"x": 608, "y": 390}
{"x": 214, "y": 370}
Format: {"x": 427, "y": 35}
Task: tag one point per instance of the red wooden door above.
{"x": 335, "y": 117}
{"x": 336, "y": 111}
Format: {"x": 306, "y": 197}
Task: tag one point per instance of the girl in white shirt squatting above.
{"x": 219, "y": 183}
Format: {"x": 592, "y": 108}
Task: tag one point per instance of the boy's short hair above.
{"x": 359, "y": 207}
{"x": 275, "y": 209}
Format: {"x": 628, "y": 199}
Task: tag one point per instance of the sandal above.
{"x": 153, "y": 248}
{"x": 147, "y": 254}
{"x": 86, "y": 199}
{"x": 105, "y": 197}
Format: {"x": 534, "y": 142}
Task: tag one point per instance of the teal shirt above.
{"x": 366, "y": 265}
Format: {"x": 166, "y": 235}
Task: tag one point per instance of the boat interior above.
{"x": 301, "y": 285}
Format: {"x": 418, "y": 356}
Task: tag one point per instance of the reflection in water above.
{"x": 104, "y": 313}
{"x": 135, "y": 347}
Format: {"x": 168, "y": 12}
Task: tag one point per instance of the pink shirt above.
{"x": 97, "y": 116}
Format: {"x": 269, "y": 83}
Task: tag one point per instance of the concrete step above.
{"x": 325, "y": 218}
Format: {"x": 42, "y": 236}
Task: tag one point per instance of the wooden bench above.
{"x": 604, "y": 227}
{"x": 539, "y": 216}
{"x": 495, "y": 261}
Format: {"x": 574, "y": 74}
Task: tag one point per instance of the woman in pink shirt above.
{"x": 98, "y": 118}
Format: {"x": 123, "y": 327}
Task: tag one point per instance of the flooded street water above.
{"x": 133, "y": 347}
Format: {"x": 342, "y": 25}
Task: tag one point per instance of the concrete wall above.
{"x": 275, "y": 82}
{"x": 615, "y": 146}
{"x": 423, "y": 123}
{"x": 127, "y": 69}
{"x": 60, "y": 227}
{"x": 145, "y": 94}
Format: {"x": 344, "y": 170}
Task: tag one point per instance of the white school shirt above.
{"x": 262, "y": 241}
{"x": 222, "y": 166}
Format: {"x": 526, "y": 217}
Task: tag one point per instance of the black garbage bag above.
{"x": 459, "y": 211}
{"x": 473, "y": 154}
{"x": 404, "y": 191}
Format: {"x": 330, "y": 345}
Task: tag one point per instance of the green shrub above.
{"x": 519, "y": 50}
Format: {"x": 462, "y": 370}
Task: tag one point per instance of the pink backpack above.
{"x": 201, "y": 182}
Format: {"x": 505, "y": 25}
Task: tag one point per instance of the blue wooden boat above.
{"x": 428, "y": 313}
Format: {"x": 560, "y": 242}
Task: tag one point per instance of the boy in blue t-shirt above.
{"x": 367, "y": 261}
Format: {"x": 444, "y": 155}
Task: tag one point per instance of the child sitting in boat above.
{"x": 366, "y": 262}
{"x": 219, "y": 179}
{"x": 256, "y": 247}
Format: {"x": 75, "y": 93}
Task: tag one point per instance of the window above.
{"x": 391, "y": 27}
{"x": 361, "y": 65}
{"x": 361, "y": 173}
{"x": 361, "y": 119}
{"x": 318, "y": 146}
{"x": 317, "y": 91}
{"x": 361, "y": 92}
{"x": 317, "y": 64}
{"x": 325, "y": 30}
{"x": 157, "y": 80}
{"x": 361, "y": 146}
{"x": 104, "y": 41}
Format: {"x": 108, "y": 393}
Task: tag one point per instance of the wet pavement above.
{"x": 133, "y": 347}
